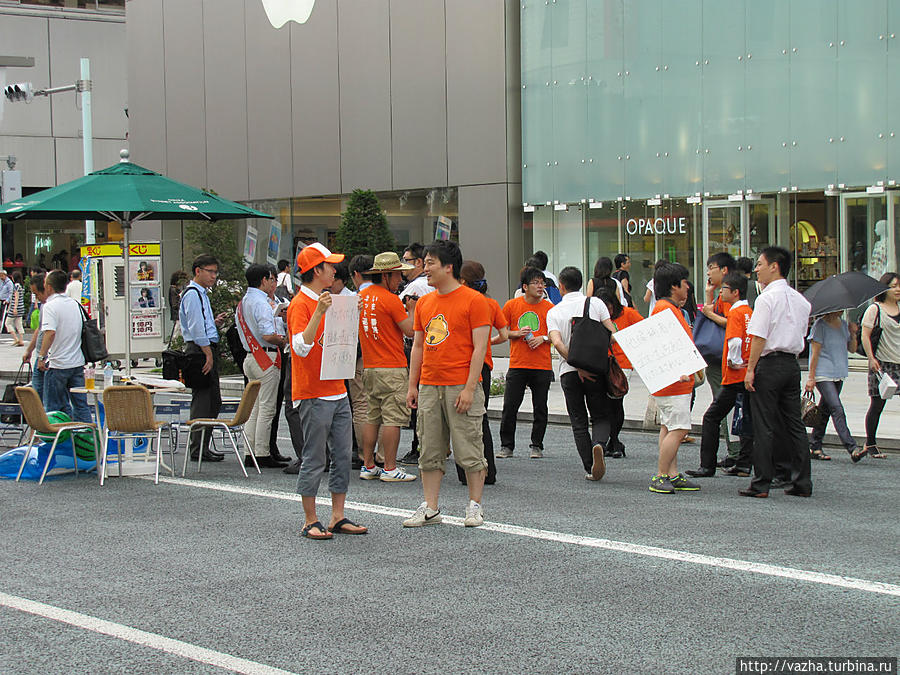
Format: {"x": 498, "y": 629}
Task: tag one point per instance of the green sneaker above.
{"x": 662, "y": 485}
{"x": 680, "y": 482}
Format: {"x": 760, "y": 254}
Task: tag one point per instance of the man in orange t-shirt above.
{"x": 735, "y": 354}
{"x": 452, "y": 327}
{"x": 674, "y": 402}
{"x": 324, "y": 409}
{"x": 530, "y": 363}
{"x": 383, "y": 322}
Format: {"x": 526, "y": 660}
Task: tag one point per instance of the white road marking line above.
{"x": 853, "y": 583}
{"x": 140, "y": 637}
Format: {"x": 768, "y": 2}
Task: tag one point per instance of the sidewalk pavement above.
{"x": 854, "y": 397}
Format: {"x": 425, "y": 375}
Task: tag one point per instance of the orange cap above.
{"x": 315, "y": 254}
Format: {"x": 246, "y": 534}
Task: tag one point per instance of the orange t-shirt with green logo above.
{"x": 305, "y": 370}
{"x": 498, "y": 321}
{"x": 379, "y": 336}
{"x": 447, "y": 321}
{"x": 521, "y": 315}
{"x": 628, "y": 317}
{"x": 677, "y": 388}
{"x": 738, "y": 323}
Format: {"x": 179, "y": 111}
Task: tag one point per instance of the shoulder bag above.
{"x": 589, "y": 343}
{"x": 709, "y": 337}
{"x": 874, "y": 336}
{"x": 93, "y": 344}
{"x": 616, "y": 381}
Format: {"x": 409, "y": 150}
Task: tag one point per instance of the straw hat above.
{"x": 388, "y": 262}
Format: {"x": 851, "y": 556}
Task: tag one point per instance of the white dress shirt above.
{"x": 418, "y": 287}
{"x": 780, "y": 317}
{"x": 560, "y": 319}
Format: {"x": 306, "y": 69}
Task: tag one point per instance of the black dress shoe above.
{"x": 737, "y": 471}
{"x": 748, "y": 492}
{"x": 265, "y": 462}
{"x": 278, "y": 457}
{"x": 701, "y": 473}
{"x": 208, "y": 456}
{"x": 795, "y": 492}
{"x": 293, "y": 467}
{"x": 726, "y": 463}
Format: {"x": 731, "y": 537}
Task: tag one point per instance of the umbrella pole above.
{"x": 126, "y": 230}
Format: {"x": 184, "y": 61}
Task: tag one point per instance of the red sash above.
{"x": 261, "y": 355}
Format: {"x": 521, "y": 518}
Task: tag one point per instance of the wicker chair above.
{"x": 36, "y": 419}
{"x": 233, "y": 427}
{"x": 129, "y": 414}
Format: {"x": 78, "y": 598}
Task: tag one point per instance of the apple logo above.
{"x": 280, "y": 12}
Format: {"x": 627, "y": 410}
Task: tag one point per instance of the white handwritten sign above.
{"x": 340, "y": 338}
{"x": 660, "y": 350}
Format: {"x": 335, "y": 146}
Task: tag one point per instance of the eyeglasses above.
{"x": 711, "y": 268}
{"x": 408, "y": 260}
{"x": 211, "y": 270}
{"x": 537, "y": 282}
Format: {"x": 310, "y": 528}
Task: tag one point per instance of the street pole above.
{"x": 87, "y": 137}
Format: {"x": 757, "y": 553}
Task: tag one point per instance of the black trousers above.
{"x": 717, "y": 411}
{"x": 617, "y": 420}
{"x": 517, "y": 379}
{"x": 775, "y": 406}
{"x": 583, "y": 398}
{"x": 487, "y": 439}
{"x": 206, "y": 401}
{"x": 291, "y": 414}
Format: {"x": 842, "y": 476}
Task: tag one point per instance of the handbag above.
{"x": 709, "y": 338}
{"x": 616, "y": 381}
{"x": 9, "y": 393}
{"x": 874, "y": 336}
{"x": 809, "y": 411}
{"x": 589, "y": 344}
{"x": 93, "y": 345}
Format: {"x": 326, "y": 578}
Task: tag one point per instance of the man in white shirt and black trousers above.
{"x": 777, "y": 332}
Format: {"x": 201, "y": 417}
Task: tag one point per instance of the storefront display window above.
{"x": 813, "y": 238}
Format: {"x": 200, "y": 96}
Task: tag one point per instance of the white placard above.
{"x": 146, "y": 325}
{"x": 660, "y": 351}
{"x": 340, "y": 338}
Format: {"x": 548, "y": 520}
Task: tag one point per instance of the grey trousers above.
{"x": 325, "y": 424}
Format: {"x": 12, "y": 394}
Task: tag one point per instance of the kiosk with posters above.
{"x": 104, "y": 290}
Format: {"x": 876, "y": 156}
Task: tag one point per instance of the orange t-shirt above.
{"x": 379, "y": 335}
{"x": 676, "y": 388}
{"x": 447, "y": 321}
{"x": 628, "y": 317}
{"x": 498, "y": 321}
{"x": 738, "y": 322}
{"x": 520, "y": 315}
{"x": 305, "y": 382}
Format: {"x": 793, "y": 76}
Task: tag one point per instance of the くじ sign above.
{"x": 145, "y": 325}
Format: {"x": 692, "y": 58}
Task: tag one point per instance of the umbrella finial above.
{"x": 124, "y": 155}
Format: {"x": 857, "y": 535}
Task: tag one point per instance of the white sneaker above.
{"x": 423, "y": 516}
{"x": 398, "y": 475}
{"x": 369, "y": 474}
{"x": 474, "y": 515}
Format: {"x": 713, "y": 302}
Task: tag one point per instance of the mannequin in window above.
{"x": 878, "y": 261}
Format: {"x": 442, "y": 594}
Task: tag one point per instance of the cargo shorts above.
{"x": 439, "y": 425}
{"x": 386, "y": 392}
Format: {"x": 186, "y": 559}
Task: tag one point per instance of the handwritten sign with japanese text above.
{"x": 339, "y": 338}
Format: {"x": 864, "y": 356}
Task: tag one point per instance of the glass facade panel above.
{"x": 814, "y": 231}
{"x": 723, "y": 227}
{"x": 601, "y": 233}
{"x": 640, "y": 244}
{"x": 537, "y": 103}
{"x": 542, "y": 235}
{"x": 569, "y": 239}
{"x": 866, "y": 223}
{"x": 679, "y": 228}
{"x": 767, "y": 102}
{"x": 606, "y": 114}
{"x": 570, "y": 94}
{"x": 761, "y": 226}
{"x": 723, "y": 96}
{"x": 862, "y": 82}
{"x": 643, "y": 105}
{"x": 893, "y": 93}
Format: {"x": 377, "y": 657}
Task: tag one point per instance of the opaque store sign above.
{"x": 653, "y": 226}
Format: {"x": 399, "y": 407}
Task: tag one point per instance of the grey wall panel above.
{"x": 103, "y": 43}
{"x": 69, "y": 164}
{"x": 315, "y": 101}
{"x": 513, "y": 94}
{"x": 515, "y": 234}
{"x": 365, "y": 82}
{"x": 37, "y": 159}
{"x": 483, "y": 214}
{"x": 268, "y": 105}
{"x": 226, "y": 97}
{"x": 26, "y": 36}
{"x": 476, "y": 92}
{"x": 146, "y": 84}
{"x": 185, "y": 101}
{"x": 418, "y": 94}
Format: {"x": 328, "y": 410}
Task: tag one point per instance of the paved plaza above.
{"x": 210, "y": 573}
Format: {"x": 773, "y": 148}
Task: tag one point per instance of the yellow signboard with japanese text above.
{"x": 116, "y": 250}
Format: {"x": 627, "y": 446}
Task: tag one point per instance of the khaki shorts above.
{"x": 386, "y": 393}
{"x": 674, "y": 411}
{"x": 439, "y": 425}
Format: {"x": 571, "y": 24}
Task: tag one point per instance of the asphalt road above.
{"x": 215, "y": 569}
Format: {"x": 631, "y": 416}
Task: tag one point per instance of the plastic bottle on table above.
{"x": 107, "y": 375}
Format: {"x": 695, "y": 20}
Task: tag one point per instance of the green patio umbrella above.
{"x": 126, "y": 193}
